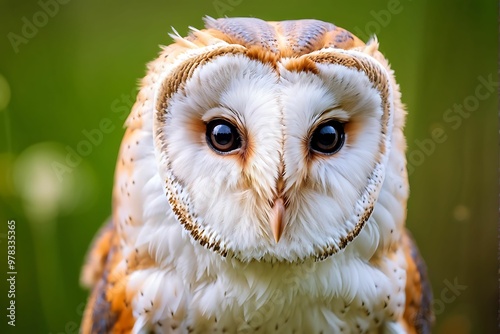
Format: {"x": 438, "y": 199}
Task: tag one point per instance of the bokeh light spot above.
{"x": 43, "y": 194}
{"x": 461, "y": 213}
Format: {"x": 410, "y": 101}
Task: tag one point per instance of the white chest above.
{"x": 340, "y": 295}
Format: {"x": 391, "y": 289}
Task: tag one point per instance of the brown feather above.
{"x": 418, "y": 310}
{"x": 96, "y": 257}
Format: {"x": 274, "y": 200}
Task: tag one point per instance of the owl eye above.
{"x": 222, "y": 136}
{"x": 328, "y": 138}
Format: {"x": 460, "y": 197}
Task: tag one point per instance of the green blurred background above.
{"x": 81, "y": 65}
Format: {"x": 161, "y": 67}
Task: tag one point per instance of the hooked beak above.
{"x": 276, "y": 221}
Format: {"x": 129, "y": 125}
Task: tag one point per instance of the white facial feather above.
{"x": 231, "y": 197}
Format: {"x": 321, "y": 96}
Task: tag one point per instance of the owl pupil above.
{"x": 328, "y": 138}
{"x": 222, "y": 136}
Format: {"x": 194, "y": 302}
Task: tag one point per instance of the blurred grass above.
{"x": 86, "y": 61}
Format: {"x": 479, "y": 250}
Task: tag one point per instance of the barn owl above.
{"x": 261, "y": 187}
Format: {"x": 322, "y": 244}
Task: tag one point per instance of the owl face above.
{"x": 272, "y": 155}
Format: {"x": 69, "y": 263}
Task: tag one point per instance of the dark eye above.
{"x": 222, "y": 136}
{"x": 328, "y": 138}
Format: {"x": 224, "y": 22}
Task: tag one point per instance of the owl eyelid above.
{"x": 336, "y": 113}
{"x": 322, "y": 122}
{"x": 221, "y": 112}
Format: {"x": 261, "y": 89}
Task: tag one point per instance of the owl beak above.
{"x": 276, "y": 221}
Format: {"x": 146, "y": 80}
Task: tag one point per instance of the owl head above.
{"x": 272, "y": 139}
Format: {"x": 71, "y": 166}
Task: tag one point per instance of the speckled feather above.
{"x": 163, "y": 265}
